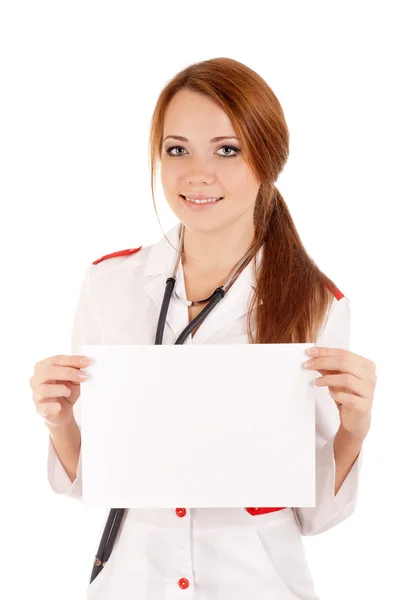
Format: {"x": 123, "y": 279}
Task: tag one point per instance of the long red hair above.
{"x": 295, "y": 294}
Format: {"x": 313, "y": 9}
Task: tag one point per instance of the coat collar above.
{"x": 159, "y": 266}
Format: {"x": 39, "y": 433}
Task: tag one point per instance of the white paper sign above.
{"x": 201, "y": 425}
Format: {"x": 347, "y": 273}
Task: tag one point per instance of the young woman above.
{"x": 221, "y": 138}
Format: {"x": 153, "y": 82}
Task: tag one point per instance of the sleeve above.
{"x": 85, "y": 330}
{"x": 330, "y": 510}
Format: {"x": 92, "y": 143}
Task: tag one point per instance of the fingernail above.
{"x": 84, "y": 361}
{"x": 312, "y": 350}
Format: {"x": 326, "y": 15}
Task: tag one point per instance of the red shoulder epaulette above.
{"x": 336, "y": 292}
{"x": 119, "y": 253}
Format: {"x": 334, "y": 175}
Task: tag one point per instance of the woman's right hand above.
{"x": 56, "y": 386}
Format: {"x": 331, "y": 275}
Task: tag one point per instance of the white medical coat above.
{"x": 203, "y": 553}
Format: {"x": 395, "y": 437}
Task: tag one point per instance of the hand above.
{"x": 351, "y": 381}
{"x": 56, "y": 386}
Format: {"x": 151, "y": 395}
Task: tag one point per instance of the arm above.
{"x": 337, "y": 461}
{"x": 66, "y": 441}
{"x": 346, "y": 451}
{"x": 64, "y": 470}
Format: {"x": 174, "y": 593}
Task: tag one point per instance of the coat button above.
{"x": 181, "y": 512}
{"x": 183, "y": 583}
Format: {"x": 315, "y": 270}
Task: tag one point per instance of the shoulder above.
{"x": 338, "y": 295}
{"x": 339, "y": 304}
{"x": 335, "y": 330}
{"x": 119, "y": 263}
{"x": 127, "y": 252}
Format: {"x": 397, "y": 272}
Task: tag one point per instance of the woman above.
{"x": 222, "y": 140}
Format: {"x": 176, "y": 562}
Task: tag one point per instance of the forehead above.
{"x": 195, "y": 115}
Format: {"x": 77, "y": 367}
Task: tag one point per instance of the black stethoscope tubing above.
{"x": 116, "y": 514}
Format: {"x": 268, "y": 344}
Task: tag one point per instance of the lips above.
{"x": 196, "y": 197}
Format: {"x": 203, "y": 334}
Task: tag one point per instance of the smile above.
{"x": 205, "y": 201}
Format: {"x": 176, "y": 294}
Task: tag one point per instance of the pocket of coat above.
{"x": 276, "y": 517}
{"x": 284, "y": 555}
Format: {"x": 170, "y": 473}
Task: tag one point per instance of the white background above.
{"x": 79, "y": 81}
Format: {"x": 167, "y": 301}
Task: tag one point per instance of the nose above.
{"x": 199, "y": 172}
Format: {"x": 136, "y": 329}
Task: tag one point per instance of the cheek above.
{"x": 171, "y": 186}
{"x": 169, "y": 175}
{"x": 241, "y": 182}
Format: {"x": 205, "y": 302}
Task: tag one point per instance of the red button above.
{"x": 183, "y": 583}
{"x": 181, "y": 512}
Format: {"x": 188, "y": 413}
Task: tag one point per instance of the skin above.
{"x": 216, "y": 240}
{"x": 351, "y": 385}
{"x": 351, "y": 380}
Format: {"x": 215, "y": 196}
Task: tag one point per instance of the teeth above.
{"x": 201, "y": 201}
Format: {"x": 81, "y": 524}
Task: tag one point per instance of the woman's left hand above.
{"x": 351, "y": 381}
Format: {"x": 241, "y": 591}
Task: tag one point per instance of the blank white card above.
{"x": 199, "y": 425}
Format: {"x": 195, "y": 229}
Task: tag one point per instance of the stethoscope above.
{"x": 115, "y": 516}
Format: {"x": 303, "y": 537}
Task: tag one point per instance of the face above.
{"x": 199, "y": 166}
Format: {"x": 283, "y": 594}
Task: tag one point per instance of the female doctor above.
{"x": 220, "y": 136}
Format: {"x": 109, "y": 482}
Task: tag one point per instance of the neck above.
{"x": 217, "y": 251}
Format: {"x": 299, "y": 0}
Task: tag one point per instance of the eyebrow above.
{"x": 215, "y": 139}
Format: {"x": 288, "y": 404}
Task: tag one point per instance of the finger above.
{"x": 62, "y": 360}
{"x": 347, "y": 381}
{"x": 45, "y": 409}
{"x": 361, "y": 360}
{"x": 48, "y": 390}
{"x": 41, "y": 372}
{"x": 66, "y": 360}
{"x": 340, "y": 363}
{"x": 360, "y": 404}
{"x": 53, "y": 372}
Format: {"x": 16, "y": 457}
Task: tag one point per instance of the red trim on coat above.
{"x": 261, "y": 511}
{"x": 338, "y": 294}
{"x": 335, "y": 291}
{"x": 119, "y": 253}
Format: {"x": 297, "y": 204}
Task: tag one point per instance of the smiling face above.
{"x": 200, "y": 166}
